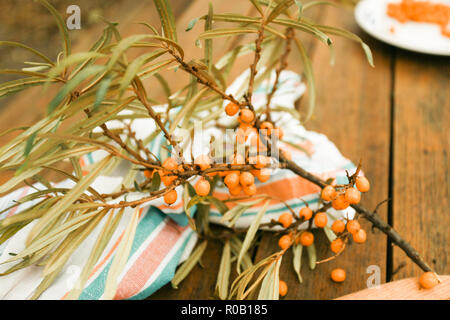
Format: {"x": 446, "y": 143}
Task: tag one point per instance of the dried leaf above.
{"x": 121, "y": 257}
{"x": 223, "y": 276}
{"x": 189, "y": 264}
{"x": 297, "y": 250}
{"x": 251, "y": 234}
{"x": 312, "y": 256}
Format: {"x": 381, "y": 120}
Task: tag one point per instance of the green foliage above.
{"x": 101, "y": 85}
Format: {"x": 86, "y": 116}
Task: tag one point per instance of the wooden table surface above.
{"x": 394, "y": 116}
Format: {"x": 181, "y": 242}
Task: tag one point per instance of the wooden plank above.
{"x": 405, "y": 289}
{"x": 353, "y": 110}
{"x": 200, "y": 282}
{"x": 421, "y": 159}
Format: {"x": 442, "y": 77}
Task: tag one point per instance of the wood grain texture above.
{"x": 405, "y": 289}
{"x": 353, "y": 110}
{"x": 421, "y": 160}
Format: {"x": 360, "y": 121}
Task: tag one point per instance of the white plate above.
{"x": 371, "y": 16}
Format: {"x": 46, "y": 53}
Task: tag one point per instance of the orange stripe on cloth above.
{"x": 284, "y": 189}
{"x": 108, "y": 255}
{"x": 149, "y": 260}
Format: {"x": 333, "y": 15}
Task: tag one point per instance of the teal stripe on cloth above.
{"x": 165, "y": 276}
{"x": 152, "y": 219}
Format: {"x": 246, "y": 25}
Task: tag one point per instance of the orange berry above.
{"x": 338, "y": 275}
{"x": 241, "y": 136}
{"x": 282, "y": 288}
{"x": 250, "y": 190}
{"x": 340, "y": 203}
{"x": 170, "y": 197}
{"x": 263, "y": 175}
{"x": 170, "y": 164}
{"x": 285, "y": 241}
{"x": 285, "y": 219}
{"x": 231, "y": 109}
{"x": 261, "y": 161}
{"x": 246, "y": 126}
{"x": 428, "y": 280}
{"x": 246, "y": 179}
{"x": 235, "y": 191}
{"x": 353, "y": 226}
{"x": 231, "y": 180}
{"x": 352, "y": 196}
{"x": 306, "y": 238}
{"x": 246, "y": 115}
{"x": 336, "y": 245}
{"x": 320, "y": 219}
{"x": 362, "y": 183}
{"x": 168, "y": 179}
{"x": 328, "y": 193}
{"x": 338, "y": 226}
{"x": 305, "y": 213}
{"x": 148, "y": 173}
{"x": 266, "y": 125}
{"x": 203, "y": 161}
{"x": 202, "y": 187}
{"x": 360, "y": 236}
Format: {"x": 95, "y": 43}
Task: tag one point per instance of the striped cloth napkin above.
{"x": 162, "y": 237}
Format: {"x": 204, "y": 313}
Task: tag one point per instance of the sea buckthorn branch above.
{"x": 283, "y": 65}
{"x": 371, "y": 216}
{"x": 142, "y": 96}
{"x": 115, "y": 137}
{"x": 257, "y": 57}
{"x": 201, "y": 79}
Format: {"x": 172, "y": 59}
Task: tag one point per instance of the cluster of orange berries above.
{"x": 235, "y": 180}
{"x": 246, "y": 129}
{"x": 168, "y": 175}
{"x": 343, "y": 199}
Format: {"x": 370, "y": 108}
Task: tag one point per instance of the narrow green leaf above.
{"x": 29, "y": 144}
{"x": 121, "y": 257}
{"x": 70, "y": 197}
{"x": 101, "y": 92}
{"x": 61, "y": 26}
{"x": 187, "y": 109}
{"x": 223, "y": 276}
{"x": 312, "y": 256}
{"x": 225, "y": 32}
{"x": 191, "y": 24}
{"x": 208, "y": 42}
{"x": 297, "y": 250}
{"x": 219, "y": 204}
{"x": 135, "y": 66}
{"x": 72, "y": 84}
{"x": 309, "y": 74}
{"x": 257, "y": 6}
{"x": 280, "y": 8}
{"x": 251, "y": 234}
{"x": 189, "y": 264}
{"x": 23, "y": 46}
{"x": 329, "y": 233}
{"x": 167, "y": 19}
{"x": 270, "y": 285}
